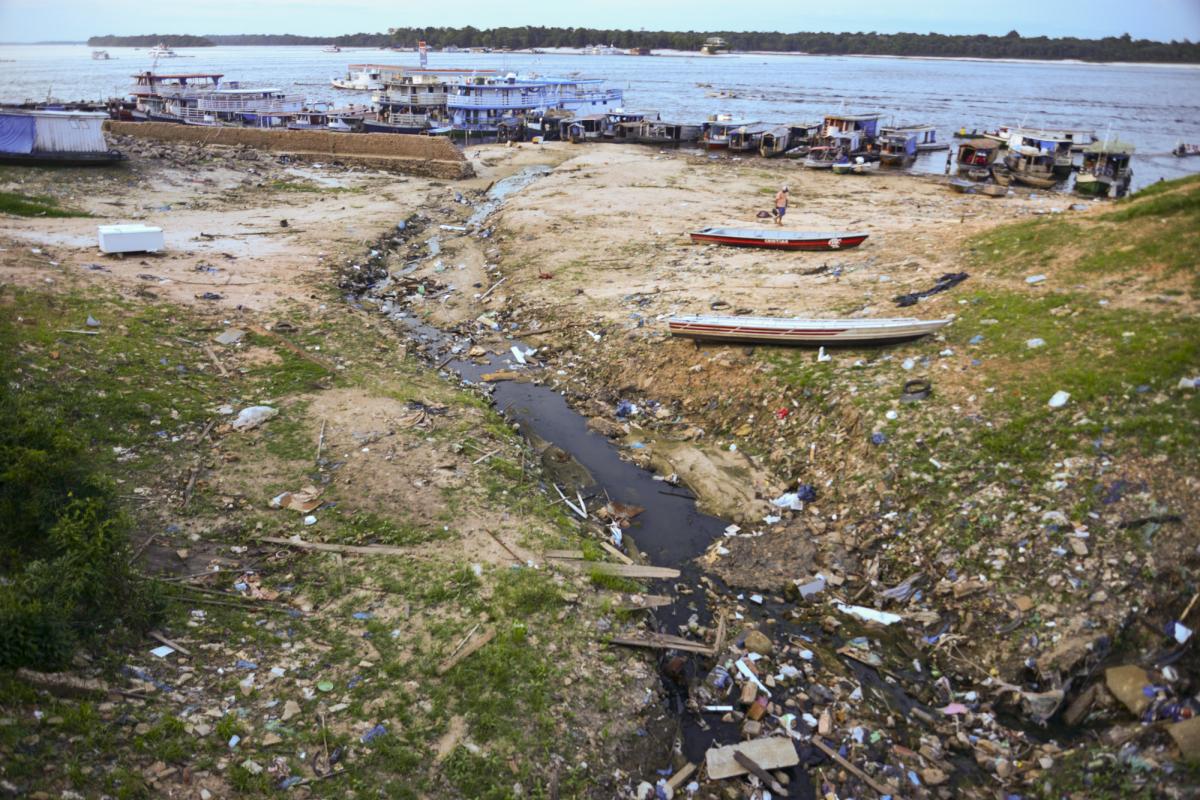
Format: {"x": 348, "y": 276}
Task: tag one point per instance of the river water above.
{"x": 1155, "y": 107}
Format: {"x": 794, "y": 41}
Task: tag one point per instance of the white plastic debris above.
{"x": 162, "y": 651}
{"x": 869, "y": 614}
{"x": 1059, "y": 399}
{"x": 821, "y": 355}
{"x": 1181, "y": 633}
{"x": 1035, "y": 343}
{"x": 1188, "y": 383}
{"x": 1033, "y": 280}
{"x": 253, "y": 416}
{"x": 908, "y": 364}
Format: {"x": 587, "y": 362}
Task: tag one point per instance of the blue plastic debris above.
{"x": 976, "y": 339}
{"x": 290, "y": 781}
{"x": 374, "y": 733}
{"x": 244, "y": 664}
{"x": 878, "y": 438}
{"x": 806, "y": 493}
{"x": 624, "y": 408}
{"x": 362, "y": 615}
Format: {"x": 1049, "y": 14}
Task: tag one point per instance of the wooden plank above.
{"x": 360, "y": 550}
{"x": 561, "y": 554}
{"x": 758, "y": 772}
{"x": 637, "y": 602}
{"x": 836, "y": 756}
{"x": 663, "y": 641}
{"x": 621, "y": 570}
{"x": 615, "y": 553}
{"x": 678, "y": 778}
{"x": 158, "y": 637}
{"x": 454, "y": 660}
{"x": 771, "y": 753}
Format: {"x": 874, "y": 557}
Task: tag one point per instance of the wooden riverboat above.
{"x": 797, "y": 331}
{"x": 778, "y": 239}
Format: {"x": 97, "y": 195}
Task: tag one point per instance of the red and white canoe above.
{"x": 782, "y": 240}
{"x": 802, "y": 331}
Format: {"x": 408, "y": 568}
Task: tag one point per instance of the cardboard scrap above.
{"x": 771, "y": 753}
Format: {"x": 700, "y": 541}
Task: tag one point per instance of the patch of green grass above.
{"x": 522, "y": 592}
{"x": 362, "y": 527}
{"x": 35, "y": 206}
{"x": 166, "y": 741}
{"x": 304, "y": 186}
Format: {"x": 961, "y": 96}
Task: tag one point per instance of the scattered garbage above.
{"x": 915, "y": 390}
{"x": 253, "y": 416}
{"x": 1059, "y": 399}
{"x": 795, "y": 501}
{"x": 869, "y": 614}
{"x": 230, "y": 336}
{"x": 1034, "y": 280}
{"x": 1035, "y": 343}
{"x": 947, "y": 281}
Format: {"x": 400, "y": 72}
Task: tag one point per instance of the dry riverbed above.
{"x": 1034, "y": 547}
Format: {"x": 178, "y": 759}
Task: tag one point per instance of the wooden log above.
{"x": 638, "y": 602}
{"x": 676, "y": 780}
{"x": 158, "y": 637}
{"x": 615, "y": 553}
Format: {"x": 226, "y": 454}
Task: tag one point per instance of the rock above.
{"x": 290, "y": 709}
{"x": 1081, "y": 705}
{"x": 1024, "y": 603}
{"x": 252, "y": 766}
{"x": 933, "y": 776}
{"x": 757, "y": 642}
{"x": 271, "y": 738}
{"x": 231, "y": 336}
{"x": 605, "y": 427}
{"x": 1126, "y": 684}
{"x": 1187, "y": 737}
{"x": 1079, "y": 546}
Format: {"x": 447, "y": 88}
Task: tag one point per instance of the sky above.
{"x": 67, "y": 20}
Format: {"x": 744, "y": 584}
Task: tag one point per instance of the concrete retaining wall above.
{"x": 434, "y": 156}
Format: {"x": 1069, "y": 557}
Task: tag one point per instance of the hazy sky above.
{"x": 35, "y": 20}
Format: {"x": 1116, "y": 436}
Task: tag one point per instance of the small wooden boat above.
{"x": 802, "y": 331}
{"x": 979, "y": 174}
{"x": 962, "y": 186}
{"x": 779, "y": 239}
{"x": 1106, "y": 169}
{"x": 820, "y": 158}
{"x": 992, "y": 190}
{"x": 1001, "y": 175}
{"x": 1183, "y": 150}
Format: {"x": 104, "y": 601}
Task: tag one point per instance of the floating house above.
{"x": 413, "y": 99}
{"x": 73, "y": 138}
{"x": 1106, "y": 170}
{"x": 201, "y": 99}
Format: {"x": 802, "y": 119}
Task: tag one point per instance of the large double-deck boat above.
{"x": 202, "y": 99}
{"x": 478, "y": 104}
{"x": 1057, "y": 144}
{"x": 413, "y": 99}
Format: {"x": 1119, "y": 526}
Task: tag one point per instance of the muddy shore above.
{"x": 1024, "y": 553}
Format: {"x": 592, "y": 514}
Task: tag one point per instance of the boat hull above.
{"x": 1035, "y": 181}
{"x": 36, "y": 159}
{"x": 783, "y": 240}
{"x": 811, "y": 332}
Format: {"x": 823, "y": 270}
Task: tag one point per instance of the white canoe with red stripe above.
{"x": 802, "y": 331}
{"x": 782, "y": 240}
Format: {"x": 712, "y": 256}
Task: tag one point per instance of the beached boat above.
{"x": 802, "y": 331}
{"x": 588, "y": 128}
{"x": 790, "y": 140}
{"x": 746, "y": 139}
{"x": 719, "y": 129}
{"x": 660, "y": 132}
{"x": 1001, "y": 175}
{"x": 897, "y": 148}
{"x": 1055, "y": 143}
{"x": 859, "y": 165}
{"x": 976, "y": 154}
{"x": 991, "y": 190}
{"x": 1105, "y": 171}
{"x": 64, "y": 138}
{"x": 778, "y": 239}
{"x": 1031, "y": 167}
{"x": 924, "y": 133}
{"x": 821, "y": 157}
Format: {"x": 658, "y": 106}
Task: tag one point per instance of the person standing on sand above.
{"x": 781, "y": 203}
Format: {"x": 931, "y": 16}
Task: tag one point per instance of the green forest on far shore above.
{"x": 1011, "y": 45}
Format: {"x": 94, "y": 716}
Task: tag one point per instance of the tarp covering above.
{"x": 16, "y": 133}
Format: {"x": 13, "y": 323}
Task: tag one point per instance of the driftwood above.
{"x": 620, "y": 570}
{"x": 63, "y": 684}
{"x": 771, "y": 753}
{"x": 758, "y": 772}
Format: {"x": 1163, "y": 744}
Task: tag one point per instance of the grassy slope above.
{"x": 144, "y": 385}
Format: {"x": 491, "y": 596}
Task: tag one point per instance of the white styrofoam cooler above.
{"x": 130, "y": 238}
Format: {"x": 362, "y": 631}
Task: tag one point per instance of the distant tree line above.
{"x": 1011, "y": 45}
{"x": 151, "y": 39}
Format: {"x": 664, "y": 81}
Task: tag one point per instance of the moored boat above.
{"x": 897, "y": 148}
{"x": 360, "y": 78}
{"x": 719, "y": 129}
{"x": 1105, "y": 171}
{"x": 790, "y": 140}
{"x": 976, "y": 154}
{"x": 821, "y": 157}
{"x": 802, "y": 331}
{"x": 61, "y": 138}
{"x": 779, "y": 239}
{"x": 160, "y": 50}
{"x": 1031, "y": 167}
{"x": 1183, "y": 150}
{"x": 925, "y": 135}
